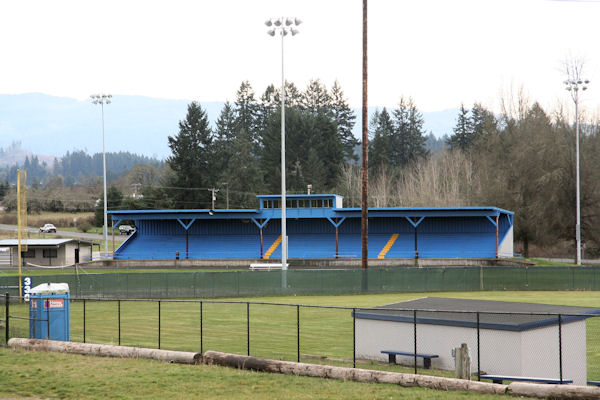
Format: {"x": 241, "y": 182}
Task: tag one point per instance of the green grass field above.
{"x": 68, "y": 376}
{"x": 272, "y": 328}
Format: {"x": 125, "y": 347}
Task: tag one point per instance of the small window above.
{"x": 290, "y": 203}
{"x": 316, "y": 204}
{"x": 30, "y": 253}
{"x": 328, "y": 203}
{"x": 301, "y": 203}
{"x": 266, "y": 204}
{"x": 276, "y": 203}
{"x": 50, "y": 253}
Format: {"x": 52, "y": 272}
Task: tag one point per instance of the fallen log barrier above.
{"x": 543, "y": 391}
{"x": 349, "y": 374}
{"x": 105, "y": 350}
{"x": 516, "y": 389}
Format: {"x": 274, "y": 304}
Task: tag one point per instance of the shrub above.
{"x": 84, "y": 225}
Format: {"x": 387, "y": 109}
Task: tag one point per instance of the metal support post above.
{"x": 159, "y": 324}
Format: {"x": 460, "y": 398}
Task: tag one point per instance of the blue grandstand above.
{"x": 318, "y": 227}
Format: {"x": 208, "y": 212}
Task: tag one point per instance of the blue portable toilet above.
{"x": 49, "y": 312}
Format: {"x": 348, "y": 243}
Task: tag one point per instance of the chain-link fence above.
{"x": 550, "y": 347}
{"x": 213, "y": 284}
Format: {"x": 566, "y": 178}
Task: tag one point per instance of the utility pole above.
{"x": 213, "y": 197}
{"x": 364, "y": 231}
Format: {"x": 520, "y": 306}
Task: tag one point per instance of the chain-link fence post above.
{"x": 83, "y": 320}
{"x": 560, "y": 363}
{"x": 119, "y": 319}
{"x": 159, "y": 324}
{"x": 478, "y": 351}
{"x": 354, "y": 338}
{"x": 248, "y": 328}
{"x": 7, "y": 323}
{"x": 298, "y": 332}
{"x": 201, "y": 330}
{"x": 415, "y": 337}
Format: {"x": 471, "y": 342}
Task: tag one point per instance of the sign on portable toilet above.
{"x": 49, "y": 312}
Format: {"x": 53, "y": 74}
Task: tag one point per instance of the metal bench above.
{"x": 426, "y": 357}
{"x": 500, "y": 378}
{"x": 265, "y": 266}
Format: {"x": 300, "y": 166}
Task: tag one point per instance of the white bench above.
{"x": 265, "y": 266}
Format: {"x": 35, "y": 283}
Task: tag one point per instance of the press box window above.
{"x": 50, "y": 253}
{"x": 28, "y": 254}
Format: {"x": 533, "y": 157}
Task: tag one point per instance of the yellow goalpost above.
{"x": 22, "y": 232}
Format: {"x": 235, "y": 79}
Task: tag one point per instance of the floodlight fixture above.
{"x": 283, "y": 27}
{"x": 103, "y": 99}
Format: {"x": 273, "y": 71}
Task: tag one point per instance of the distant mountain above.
{"x": 54, "y": 125}
{"x": 50, "y": 126}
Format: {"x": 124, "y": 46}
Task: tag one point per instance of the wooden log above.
{"x": 105, "y": 350}
{"x": 553, "y": 391}
{"x": 349, "y": 374}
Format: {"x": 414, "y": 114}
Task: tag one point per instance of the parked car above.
{"x": 126, "y": 229}
{"x": 48, "y": 228}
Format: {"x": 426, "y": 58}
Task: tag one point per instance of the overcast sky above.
{"x": 440, "y": 52}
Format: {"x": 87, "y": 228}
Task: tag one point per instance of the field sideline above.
{"x": 324, "y": 333}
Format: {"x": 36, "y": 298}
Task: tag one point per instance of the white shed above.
{"x": 50, "y": 252}
{"x": 516, "y": 339}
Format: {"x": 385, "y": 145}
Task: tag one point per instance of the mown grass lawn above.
{"x": 272, "y": 328}
{"x": 68, "y": 376}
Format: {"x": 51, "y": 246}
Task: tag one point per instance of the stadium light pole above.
{"x": 283, "y": 26}
{"x": 103, "y": 99}
{"x": 574, "y": 86}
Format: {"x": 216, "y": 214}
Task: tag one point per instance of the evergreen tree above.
{"x": 315, "y": 172}
{"x": 408, "y": 141}
{"x": 344, "y": 119}
{"x": 463, "y": 131}
{"x": 268, "y": 105}
{"x": 382, "y": 131}
{"x": 304, "y": 131}
{"x": 114, "y": 200}
{"x": 247, "y": 111}
{"x": 225, "y": 134}
{"x": 243, "y": 173}
{"x": 4, "y": 187}
{"x": 483, "y": 122}
{"x": 315, "y": 99}
{"x": 192, "y": 152}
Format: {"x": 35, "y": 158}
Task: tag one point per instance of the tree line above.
{"x": 242, "y": 155}
{"x": 76, "y": 168}
{"x": 522, "y": 160}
